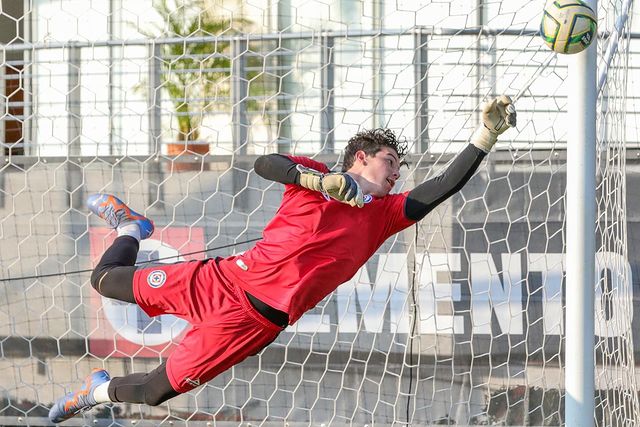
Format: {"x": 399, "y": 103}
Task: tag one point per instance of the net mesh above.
{"x": 167, "y": 104}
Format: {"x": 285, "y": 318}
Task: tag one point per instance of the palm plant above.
{"x": 194, "y": 74}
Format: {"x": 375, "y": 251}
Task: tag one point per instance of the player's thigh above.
{"x": 207, "y": 351}
{"x": 166, "y": 289}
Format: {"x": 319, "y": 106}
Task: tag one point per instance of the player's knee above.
{"x": 156, "y": 397}
{"x": 97, "y": 277}
{"x": 153, "y": 400}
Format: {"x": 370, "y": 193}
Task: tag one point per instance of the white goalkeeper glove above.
{"x": 497, "y": 116}
{"x": 337, "y": 185}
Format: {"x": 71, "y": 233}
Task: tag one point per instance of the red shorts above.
{"x": 226, "y": 328}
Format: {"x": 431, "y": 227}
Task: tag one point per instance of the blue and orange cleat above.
{"x": 82, "y": 400}
{"x": 116, "y": 213}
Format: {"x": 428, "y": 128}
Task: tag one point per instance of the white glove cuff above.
{"x": 484, "y": 139}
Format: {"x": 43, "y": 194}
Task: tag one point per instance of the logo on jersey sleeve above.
{"x": 156, "y": 278}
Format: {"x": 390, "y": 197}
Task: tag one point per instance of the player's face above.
{"x": 381, "y": 171}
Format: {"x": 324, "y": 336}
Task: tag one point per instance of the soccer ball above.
{"x": 568, "y": 26}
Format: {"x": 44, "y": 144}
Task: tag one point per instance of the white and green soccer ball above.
{"x": 568, "y": 26}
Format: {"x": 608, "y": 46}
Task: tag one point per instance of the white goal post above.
{"x": 468, "y": 318}
{"x": 581, "y": 237}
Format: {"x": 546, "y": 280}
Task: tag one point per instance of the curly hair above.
{"x": 371, "y": 141}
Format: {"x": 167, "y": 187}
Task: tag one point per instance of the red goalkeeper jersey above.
{"x": 312, "y": 245}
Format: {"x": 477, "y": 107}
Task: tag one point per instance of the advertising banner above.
{"x": 120, "y": 329}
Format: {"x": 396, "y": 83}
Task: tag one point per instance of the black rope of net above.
{"x": 89, "y": 270}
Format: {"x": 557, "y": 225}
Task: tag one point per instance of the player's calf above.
{"x": 113, "y": 276}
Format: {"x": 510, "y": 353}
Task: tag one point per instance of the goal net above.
{"x": 458, "y": 320}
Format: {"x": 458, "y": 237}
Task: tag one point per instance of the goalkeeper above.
{"x": 238, "y": 305}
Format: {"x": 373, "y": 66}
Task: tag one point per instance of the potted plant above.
{"x": 194, "y": 74}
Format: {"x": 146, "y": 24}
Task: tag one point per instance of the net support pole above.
{"x": 580, "y": 223}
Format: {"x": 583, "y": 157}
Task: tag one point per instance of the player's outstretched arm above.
{"x": 497, "y": 116}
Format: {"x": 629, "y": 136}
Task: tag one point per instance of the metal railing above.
{"x": 297, "y": 87}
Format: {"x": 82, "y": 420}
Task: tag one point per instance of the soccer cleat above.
{"x": 80, "y": 401}
{"x": 116, "y": 213}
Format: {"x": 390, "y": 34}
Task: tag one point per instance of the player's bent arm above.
{"x": 279, "y": 168}
{"x": 426, "y": 196}
{"x": 338, "y": 185}
{"x": 282, "y": 169}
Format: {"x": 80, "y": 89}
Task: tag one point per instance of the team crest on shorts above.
{"x": 156, "y": 278}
